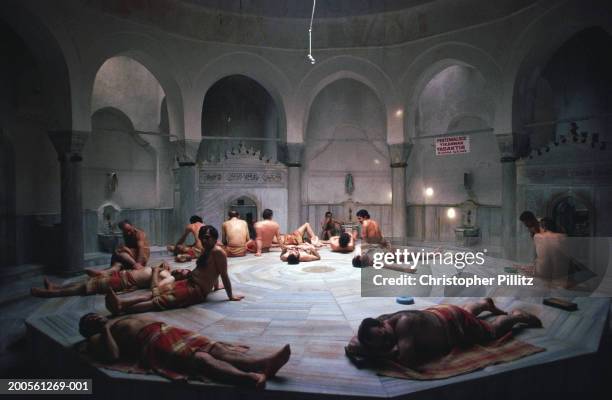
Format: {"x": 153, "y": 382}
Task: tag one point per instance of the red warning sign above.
{"x": 452, "y": 145}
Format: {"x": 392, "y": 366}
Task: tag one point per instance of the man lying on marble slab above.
{"x": 175, "y": 353}
{"x": 192, "y": 289}
{"x": 118, "y": 281}
{"x": 267, "y": 234}
{"x": 303, "y": 234}
{"x": 345, "y": 243}
{"x": 134, "y": 254}
{"x": 294, "y": 254}
{"x": 412, "y": 338}
{"x": 183, "y": 252}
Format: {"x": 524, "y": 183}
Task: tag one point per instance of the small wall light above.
{"x": 450, "y": 213}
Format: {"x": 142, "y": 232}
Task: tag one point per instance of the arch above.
{"x": 253, "y": 66}
{"x": 529, "y": 54}
{"x": 436, "y": 59}
{"x": 559, "y": 198}
{"x": 44, "y": 45}
{"x": 145, "y": 50}
{"x": 124, "y": 121}
{"x": 356, "y": 68}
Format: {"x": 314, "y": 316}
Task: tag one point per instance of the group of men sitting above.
{"x": 298, "y": 246}
{"x": 408, "y": 337}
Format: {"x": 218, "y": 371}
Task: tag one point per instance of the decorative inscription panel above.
{"x": 243, "y": 178}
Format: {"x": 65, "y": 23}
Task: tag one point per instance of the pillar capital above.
{"x": 505, "y": 142}
{"x": 399, "y": 154}
{"x": 186, "y": 151}
{"x": 69, "y": 143}
{"x": 293, "y": 154}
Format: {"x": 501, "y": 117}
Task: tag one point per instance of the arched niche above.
{"x": 455, "y": 98}
{"x": 238, "y": 107}
{"x": 346, "y": 133}
{"x": 572, "y": 82}
{"x": 573, "y": 214}
{"x": 244, "y": 204}
{"x": 118, "y": 165}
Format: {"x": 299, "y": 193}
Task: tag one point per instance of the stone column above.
{"x": 187, "y": 178}
{"x": 399, "y": 160}
{"x": 294, "y": 185}
{"x": 69, "y": 145}
{"x": 508, "y": 195}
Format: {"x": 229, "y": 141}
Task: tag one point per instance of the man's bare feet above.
{"x": 259, "y": 380}
{"x": 491, "y": 307}
{"x": 113, "y": 303}
{"x": 276, "y": 361}
{"x": 48, "y": 284}
{"x": 526, "y": 318}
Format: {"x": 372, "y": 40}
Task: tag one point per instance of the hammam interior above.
{"x": 211, "y": 198}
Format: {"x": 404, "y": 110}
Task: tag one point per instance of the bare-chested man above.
{"x": 294, "y": 254}
{"x": 134, "y": 254}
{"x": 342, "y": 244}
{"x": 235, "y": 235}
{"x": 298, "y": 236}
{"x": 116, "y": 280}
{"x": 370, "y": 230}
{"x": 183, "y": 252}
{"x": 268, "y": 232}
{"x": 413, "y": 337}
{"x": 531, "y": 222}
{"x": 329, "y": 227}
{"x": 211, "y": 265}
{"x": 176, "y": 353}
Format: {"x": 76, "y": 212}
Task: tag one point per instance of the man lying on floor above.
{"x": 118, "y": 281}
{"x": 191, "y": 289}
{"x": 304, "y": 252}
{"x": 341, "y": 244}
{"x": 412, "y": 337}
{"x": 176, "y": 353}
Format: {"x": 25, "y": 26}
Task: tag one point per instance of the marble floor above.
{"x": 317, "y": 307}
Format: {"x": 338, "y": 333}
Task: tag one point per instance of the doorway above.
{"x": 245, "y": 206}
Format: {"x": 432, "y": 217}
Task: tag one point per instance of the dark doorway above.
{"x": 244, "y": 205}
{"x": 572, "y": 216}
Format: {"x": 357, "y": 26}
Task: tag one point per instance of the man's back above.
{"x": 371, "y": 231}
{"x": 195, "y": 229}
{"x": 266, "y": 230}
{"x": 236, "y": 232}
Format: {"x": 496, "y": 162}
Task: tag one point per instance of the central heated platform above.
{"x": 317, "y": 307}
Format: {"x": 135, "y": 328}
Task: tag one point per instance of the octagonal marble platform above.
{"x": 317, "y": 307}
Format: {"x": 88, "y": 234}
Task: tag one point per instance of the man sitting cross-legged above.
{"x": 267, "y": 234}
{"x": 193, "y": 289}
{"x": 414, "y": 337}
{"x": 115, "y": 280}
{"x": 134, "y": 254}
{"x": 174, "y": 352}
{"x": 184, "y": 252}
{"x": 304, "y": 252}
{"x": 235, "y": 235}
